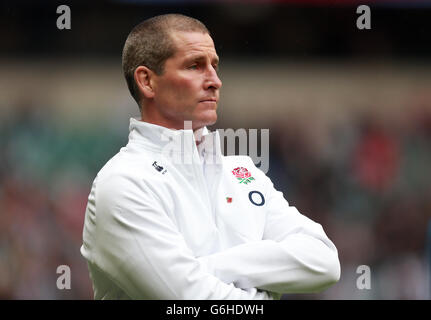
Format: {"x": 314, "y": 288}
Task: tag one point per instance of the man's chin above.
{"x": 201, "y": 125}
{"x": 207, "y": 120}
{"x": 211, "y": 121}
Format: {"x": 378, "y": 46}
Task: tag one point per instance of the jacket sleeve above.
{"x": 139, "y": 247}
{"x": 294, "y": 256}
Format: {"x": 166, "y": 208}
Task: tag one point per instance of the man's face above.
{"x": 188, "y": 89}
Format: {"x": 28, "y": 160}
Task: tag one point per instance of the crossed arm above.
{"x": 295, "y": 255}
{"x": 143, "y": 252}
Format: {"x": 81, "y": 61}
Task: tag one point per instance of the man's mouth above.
{"x": 209, "y": 100}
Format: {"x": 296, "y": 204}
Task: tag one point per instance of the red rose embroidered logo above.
{"x": 242, "y": 175}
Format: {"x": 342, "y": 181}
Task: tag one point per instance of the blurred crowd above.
{"x": 46, "y": 173}
{"x": 369, "y": 186}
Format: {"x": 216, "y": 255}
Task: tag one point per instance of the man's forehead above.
{"x": 192, "y": 43}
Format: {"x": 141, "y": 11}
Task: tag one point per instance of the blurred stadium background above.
{"x": 349, "y": 114}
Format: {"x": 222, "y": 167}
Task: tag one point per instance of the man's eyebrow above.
{"x": 199, "y": 57}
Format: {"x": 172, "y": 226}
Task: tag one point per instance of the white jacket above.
{"x": 160, "y": 228}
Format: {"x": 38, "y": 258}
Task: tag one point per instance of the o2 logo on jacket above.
{"x": 256, "y": 198}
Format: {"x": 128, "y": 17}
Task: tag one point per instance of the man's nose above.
{"x": 213, "y": 81}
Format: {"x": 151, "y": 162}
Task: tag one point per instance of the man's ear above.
{"x": 144, "y": 79}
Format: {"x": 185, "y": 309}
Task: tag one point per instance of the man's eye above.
{"x": 193, "y": 67}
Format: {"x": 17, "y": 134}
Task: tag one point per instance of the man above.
{"x": 169, "y": 217}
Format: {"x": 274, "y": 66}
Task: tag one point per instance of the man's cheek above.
{"x": 184, "y": 96}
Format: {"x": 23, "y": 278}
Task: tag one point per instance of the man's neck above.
{"x": 187, "y": 125}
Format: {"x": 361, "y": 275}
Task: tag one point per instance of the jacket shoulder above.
{"x": 125, "y": 174}
{"x": 124, "y": 163}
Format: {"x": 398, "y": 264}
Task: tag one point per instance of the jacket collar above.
{"x": 161, "y": 139}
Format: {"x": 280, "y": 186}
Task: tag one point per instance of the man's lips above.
{"x": 209, "y": 100}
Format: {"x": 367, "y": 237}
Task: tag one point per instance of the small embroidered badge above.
{"x": 242, "y": 175}
{"x": 159, "y": 168}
